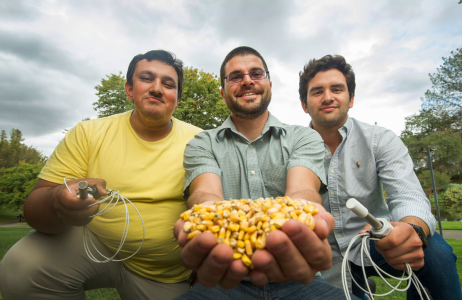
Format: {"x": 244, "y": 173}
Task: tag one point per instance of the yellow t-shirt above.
{"x": 150, "y": 174}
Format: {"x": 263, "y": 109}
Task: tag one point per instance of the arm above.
{"x": 296, "y": 253}
{"x": 50, "y": 208}
{"x": 213, "y": 262}
{"x": 407, "y": 204}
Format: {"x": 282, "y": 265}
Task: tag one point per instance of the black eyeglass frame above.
{"x": 265, "y": 73}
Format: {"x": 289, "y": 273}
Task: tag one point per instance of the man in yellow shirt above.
{"x": 140, "y": 154}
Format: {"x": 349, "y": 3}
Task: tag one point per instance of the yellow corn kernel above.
{"x": 241, "y": 235}
{"x": 248, "y": 248}
{"x": 259, "y": 225}
{"x": 232, "y": 243}
{"x": 237, "y": 255}
{"x": 214, "y": 228}
{"x": 253, "y": 237}
{"x": 240, "y": 244}
{"x": 247, "y": 236}
{"x": 293, "y": 215}
{"x": 201, "y": 227}
{"x": 273, "y": 228}
{"x": 234, "y": 216}
{"x": 240, "y": 250}
{"x": 265, "y": 225}
{"x": 261, "y": 242}
{"x": 278, "y": 223}
{"x": 193, "y": 234}
{"x": 222, "y": 232}
{"x": 207, "y": 223}
{"x": 197, "y": 207}
{"x": 310, "y": 222}
{"x": 226, "y": 241}
{"x": 228, "y": 234}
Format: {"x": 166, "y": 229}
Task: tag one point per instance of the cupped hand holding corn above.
{"x": 244, "y": 224}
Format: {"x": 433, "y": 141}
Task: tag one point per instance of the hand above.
{"x": 296, "y": 253}
{"x": 213, "y": 262}
{"x": 401, "y": 246}
{"x": 70, "y": 208}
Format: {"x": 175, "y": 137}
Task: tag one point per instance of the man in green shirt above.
{"x": 253, "y": 155}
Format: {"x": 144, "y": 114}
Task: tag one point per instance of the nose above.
{"x": 328, "y": 95}
{"x": 247, "y": 80}
{"x": 156, "y": 87}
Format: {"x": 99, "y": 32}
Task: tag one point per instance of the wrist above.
{"x": 421, "y": 235}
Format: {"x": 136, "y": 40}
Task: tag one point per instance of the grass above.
{"x": 9, "y": 215}
{"x": 450, "y": 225}
{"x": 9, "y": 236}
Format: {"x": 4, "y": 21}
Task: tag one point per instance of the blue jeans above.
{"x": 438, "y": 275}
{"x": 317, "y": 290}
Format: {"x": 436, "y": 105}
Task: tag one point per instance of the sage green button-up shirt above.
{"x": 250, "y": 170}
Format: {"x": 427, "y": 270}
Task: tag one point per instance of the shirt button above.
{"x": 333, "y": 193}
{"x": 339, "y": 235}
{"x": 238, "y": 140}
{"x": 332, "y": 171}
{"x": 261, "y": 140}
{"x": 336, "y": 215}
{"x": 253, "y": 172}
{"x": 250, "y": 146}
{"x": 325, "y": 151}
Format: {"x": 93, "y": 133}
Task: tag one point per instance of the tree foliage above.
{"x": 442, "y": 180}
{"x": 13, "y": 151}
{"x": 16, "y": 184}
{"x": 201, "y": 103}
{"x": 446, "y": 88}
{"x": 453, "y": 199}
{"x": 112, "y": 98}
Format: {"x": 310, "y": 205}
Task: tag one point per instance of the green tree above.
{"x": 16, "y": 184}
{"x": 14, "y": 151}
{"x": 442, "y": 180}
{"x": 201, "y": 103}
{"x": 446, "y": 88}
{"x": 112, "y": 98}
{"x": 453, "y": 199}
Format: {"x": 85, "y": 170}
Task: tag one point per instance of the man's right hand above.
{"x": 50, "y": 208}
{"x": 70, "y": 208}
{"x": 213, "y": 262}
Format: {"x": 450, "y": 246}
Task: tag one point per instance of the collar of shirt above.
{"x": 229, "y": 125}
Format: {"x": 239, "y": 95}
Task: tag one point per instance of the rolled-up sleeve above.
{"x": 405, "y": 196}
{"x": 199, "y": 159}
{"x": 308, "y": 151}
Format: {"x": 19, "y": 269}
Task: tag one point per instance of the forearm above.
{"x": 40, "y": 213}
{"x": 418, "y": 222}
{"x": 201, "y": 197}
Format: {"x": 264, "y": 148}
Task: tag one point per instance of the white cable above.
{"x": 364, "y": 250}
{"x": 112, "y": 196}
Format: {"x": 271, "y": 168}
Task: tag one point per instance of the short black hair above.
{"x": 239, "y": 51}
{"x": 326, "y": 63}
{"x": 163, "y": 56}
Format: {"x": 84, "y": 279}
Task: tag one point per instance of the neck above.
{"x": 332, "y": 138}
{"x": 251, "y": 129}
{"x": 148, "y": 129}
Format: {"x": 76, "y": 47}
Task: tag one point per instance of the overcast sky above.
{"x": 53, "y": 53}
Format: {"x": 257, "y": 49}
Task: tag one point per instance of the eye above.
{"x": 257, "y": 74}
{"x": 235, "y": 77}
{"x": 145, "y": 78}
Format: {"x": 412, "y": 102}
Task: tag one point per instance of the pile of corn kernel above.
{"x": 244, "y": 224}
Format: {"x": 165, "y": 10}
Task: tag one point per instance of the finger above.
{"x": 258, "y": 277}
{"x": 265, "y": 262}
{"x": 316, "y": 252}
{"x": 197, "y": 249}
{"x": 292, "y": 263}
{"x": 234, "y": 275}
{"x": 324, "y": 225}
{"x": 365, "y": 229}
{"x": 215, "y": 265}
{"x": 179, "y": 233}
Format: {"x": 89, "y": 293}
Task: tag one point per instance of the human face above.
{"x": 154, "y": 91}
{"x": 328, "y": 99}
{"x": 249, "y": 98}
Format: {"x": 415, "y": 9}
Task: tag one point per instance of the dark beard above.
{"x": 249, "y": 113}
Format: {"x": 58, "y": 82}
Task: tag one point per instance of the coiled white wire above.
{"x": 364, "y": 249}
{"x": 112, "y": 196}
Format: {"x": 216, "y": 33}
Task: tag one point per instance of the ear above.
{"x": 305, "y": 107}
{"x": 222, "y": 92}
{"x": 352, "y": 100}
{"x": 129, "y": 90}
{"x": 271, "y": 84}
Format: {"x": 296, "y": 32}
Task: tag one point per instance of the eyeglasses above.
{"x": 254, "y": 75}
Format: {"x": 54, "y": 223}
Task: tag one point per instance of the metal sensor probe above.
{"x": 362, "y": 212}
{"x": 84, "y": 189}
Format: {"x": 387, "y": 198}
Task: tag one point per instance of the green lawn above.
{"x": 450, "y": 225}
{"x": 9, "y": 236}
{"x": 9, "y": 215}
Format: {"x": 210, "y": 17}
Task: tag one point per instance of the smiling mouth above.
{"x": 155, "y": 98}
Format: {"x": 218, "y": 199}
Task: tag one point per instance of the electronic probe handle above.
{"x": 84, "y": 189}
{"x": 380, "y": 227}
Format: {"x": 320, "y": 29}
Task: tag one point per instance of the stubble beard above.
{"x": 251, "y": 112}
{"x": 329, "y": 122}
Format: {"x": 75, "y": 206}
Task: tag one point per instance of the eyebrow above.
{"x": 253, "y": 69}
{"x": 315, "y": 88}
{"x": 165, "y": 77}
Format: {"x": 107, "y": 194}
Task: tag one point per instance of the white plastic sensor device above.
{"x": 380, "y": 227}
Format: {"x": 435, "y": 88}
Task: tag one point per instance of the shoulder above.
{"x": 299, "y": 132}
{"x": 375, "y": 131}
{"x": 183, "y": 126}
{"x": 101, "y": 123}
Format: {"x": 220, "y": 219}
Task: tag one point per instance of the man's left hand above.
{"x": 296, "y": 253}
{"x": 401, "y": 246}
